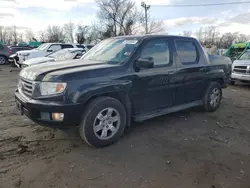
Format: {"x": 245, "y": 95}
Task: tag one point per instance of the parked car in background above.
{"x": 241, "y": 68}
{"x": 120, "y": 79}
{"x": 14, "y": 50}
{"x": 87, "y": 46}
{"x": 61, "y": 55}
{"x": 42, "y": 51}
{"x": 4, "y": 54}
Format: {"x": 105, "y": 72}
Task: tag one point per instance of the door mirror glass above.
{"x": 49, "y": 50}
{"x": 78, "y": 56}
{"x": 145, "y": 63}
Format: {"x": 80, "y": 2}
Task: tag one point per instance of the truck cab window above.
{"x": 66, "y": 46}
{"x": 55, "y": 47}
{"x": 159, "y": 51}
{"x": 187, "y": 52}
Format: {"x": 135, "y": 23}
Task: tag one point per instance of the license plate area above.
{"x": 19, "y": 107}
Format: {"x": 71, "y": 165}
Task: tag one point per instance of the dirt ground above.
{"x": 182, "y": 150}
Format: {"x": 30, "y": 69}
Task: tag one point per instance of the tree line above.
{"x": 210, "y": 36}
{"x": 114, "y": 18}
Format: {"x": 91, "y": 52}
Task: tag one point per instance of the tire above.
{"x": 232, "y": 82}
{"x": 212, "y": 93}
{"x": 95, "y": 115}
{"x": 3, "y": 60}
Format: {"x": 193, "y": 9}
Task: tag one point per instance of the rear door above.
{"x": 151, "y": 88}
{"x": 191, "y": 67}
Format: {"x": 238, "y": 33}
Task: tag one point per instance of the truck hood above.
{"x": 241, "y": 62}
{"x": 37, "y": 72}
{"x": 28, "y": 51}
{"x": 38, "y": 60}
{"x": 32, "y": 53}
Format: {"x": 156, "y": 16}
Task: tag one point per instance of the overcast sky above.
{"x": 37, "y": 14}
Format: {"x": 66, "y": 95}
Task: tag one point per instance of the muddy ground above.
{"x": 182, "y": 150}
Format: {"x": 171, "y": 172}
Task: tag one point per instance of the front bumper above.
{"x": 14, "y": 60}
{"x": 243, "y": 77}
{"x": 41, "y": 111}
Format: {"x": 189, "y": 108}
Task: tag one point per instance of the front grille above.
{"x": 26, "y": 87}
{"x": 240, "y": 69}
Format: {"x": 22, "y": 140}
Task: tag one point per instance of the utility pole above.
{"x": 146, "y": 8}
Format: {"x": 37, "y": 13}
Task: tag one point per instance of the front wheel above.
{"x": 232, "y": 82}
{"x": 212, "y": 97}
{"x": 3, "y": 60}
{"x": 103, "y": 122}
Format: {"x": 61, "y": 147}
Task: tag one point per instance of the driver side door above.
{"x": 152, "y": 87}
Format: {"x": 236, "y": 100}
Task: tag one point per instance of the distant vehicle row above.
{"x": 22, "y": 53}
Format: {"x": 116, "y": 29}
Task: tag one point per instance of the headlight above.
{"x": 51, "y": 88}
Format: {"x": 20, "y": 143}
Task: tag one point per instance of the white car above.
{"x": 43, "y": 50}
{"x": 61, "y": 55}
{"x": 241, "y": 68}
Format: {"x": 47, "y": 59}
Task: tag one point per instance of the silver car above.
{"x": 241, "y": 68}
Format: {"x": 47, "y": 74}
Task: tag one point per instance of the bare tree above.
{"x": 29, "y": 35}
{"x": 20, "y": 37}
{"x": 42, "y": 36}
{"x": 187, "y": 33}
{"x": 118, "y": 16}
{"x": 154, "y": 26}
{"x": 242, "y": 38}
{"x": 69, "y": 31}
{"x": 14, "y": 34}
{"x": 82, "y": 33}
{"x": 55, "y": 34}
{"x": 199, "y": 34}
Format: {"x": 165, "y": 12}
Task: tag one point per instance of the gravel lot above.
{"x": 182, "y": 150}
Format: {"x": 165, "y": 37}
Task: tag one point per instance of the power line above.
{"x": 204, "y": 5}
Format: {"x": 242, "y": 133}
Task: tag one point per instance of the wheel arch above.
{"x": 121, "y": 96}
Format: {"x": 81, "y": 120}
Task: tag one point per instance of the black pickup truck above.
{"x": 122, "y": 79}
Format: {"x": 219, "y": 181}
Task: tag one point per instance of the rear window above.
{"x": 187, "y": 52}
{"x": 80, "y": 46}
{"x": 90, "y": 46}
{"x": 66, "y": 46}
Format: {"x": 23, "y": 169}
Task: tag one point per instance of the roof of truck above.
{"x": 153, "y": 36}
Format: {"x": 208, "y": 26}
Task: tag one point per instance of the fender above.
{"x": 218, "y": 75}
{"x": 119, "y": 87}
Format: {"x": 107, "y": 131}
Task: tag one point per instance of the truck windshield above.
{"x": 245, "y": 56}
{"x": 43, "y": 47}
{"x": 64, "y": 54}
{"x": 112, "y": 51}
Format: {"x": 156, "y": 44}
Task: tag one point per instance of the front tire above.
{"x": 232, "y": 82}
{"x": 212, "y": 97}
{"x": 3, "y": 60}
{"x": 103, "y": 122}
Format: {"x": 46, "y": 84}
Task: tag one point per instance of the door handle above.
{"x": 202, "y": 69}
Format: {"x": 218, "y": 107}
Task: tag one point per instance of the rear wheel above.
{"x": 3, "y": 60}
{"x": 212, "y": 97}
{"x": 232, "y": 82}
{"x": 103, "y": 122}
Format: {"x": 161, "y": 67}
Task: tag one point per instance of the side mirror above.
{"x": 49, "y": 50}
{"x": 145, "y": 63}
{"x": 78, "y": 56}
